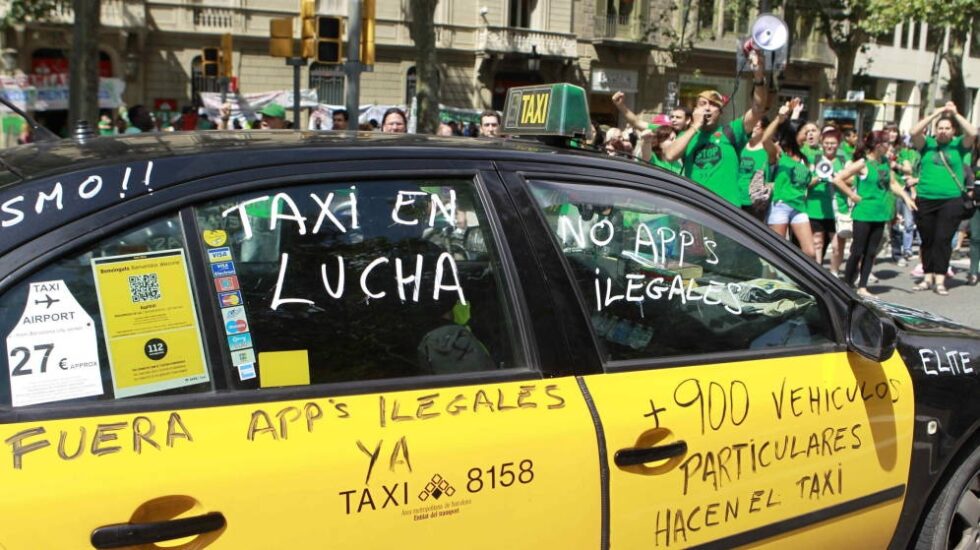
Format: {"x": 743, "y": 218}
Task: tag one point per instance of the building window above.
{"x": 201, "y": 83}
{"x": 520, "y": 13}
{"x": 328, "y": 81}
{"x": 706, "y": 14}
{"x": 975, "y": 42}
{"x": 888, "y": 38}
{"x": 736, "y": 16}
{"x": 410, "y": 81}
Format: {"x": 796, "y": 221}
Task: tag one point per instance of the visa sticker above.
{"x": 222, "y": 254}
{"x": 230, "y": 299}
{"x": 246, "y": 372}
{"x": 223, "y": 269}
{"x": 243, "y": 357}
{"x": 239, "y": 341}
{"x": 225, "y": 284}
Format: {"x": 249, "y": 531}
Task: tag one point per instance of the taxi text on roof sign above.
{"x": 547, "y": 110}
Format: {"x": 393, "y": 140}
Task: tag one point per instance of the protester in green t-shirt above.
{"x": 652, "y": 144}
{"x": 850, "y": 143}
{"x": 939, "y": 191}
{"x": 710, "y": 150}
{"x": 903, "y": 161}
{"x": 792, "y": 179}
{"x": 821, "y": 200}
{"x": 808, "y": 136}
{"x": 757, "y": 157}
{"x": 874, "y": 181}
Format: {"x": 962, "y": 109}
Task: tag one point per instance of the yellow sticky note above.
{"x": 284, "y": 368}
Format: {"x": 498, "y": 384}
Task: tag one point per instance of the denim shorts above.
{"x": 782, "y": 214}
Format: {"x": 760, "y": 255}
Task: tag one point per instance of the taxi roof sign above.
{"x": 547, "y": 110}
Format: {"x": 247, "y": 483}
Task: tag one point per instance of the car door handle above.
{"x": 634, "y": 456}
{"x": 129, "y": 534}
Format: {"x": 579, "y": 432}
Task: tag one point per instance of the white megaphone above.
{"x": 769, "y": 33}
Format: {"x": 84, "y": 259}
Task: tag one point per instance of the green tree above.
{"x": 26, "y": 11}
{"x": 959, "y": 16}
{"x": 421, "y": 28}
{"x": 848, "y": 25}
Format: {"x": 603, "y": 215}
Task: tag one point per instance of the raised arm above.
{"x": 969, "y": 130}
{"x": 770, "y": 131}
{"x": 644, "y": 147}
{"x": 840, "y": 180}
{"x": 619, "y": 100}
{"x": 919, "y": 130}
{"x": 760, "y": 92}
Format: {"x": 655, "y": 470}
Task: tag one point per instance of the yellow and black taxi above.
{"x": 332, "y": 340}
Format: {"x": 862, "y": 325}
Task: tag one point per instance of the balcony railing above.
{"x": 515, "y": 40}
{"x": 619, "y": 27}
{"x": 219, "y": 19}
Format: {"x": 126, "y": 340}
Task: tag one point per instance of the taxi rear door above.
{"x": 731, "y": 413}
{"x": 338, "y": 361}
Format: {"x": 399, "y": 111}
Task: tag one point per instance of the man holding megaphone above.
{"x": 711, "y": 150}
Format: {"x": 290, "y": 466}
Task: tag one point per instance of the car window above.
{"x": 356, "y": 281}
{"x": 661, "y": 279}
{"x": 118, "y": 320}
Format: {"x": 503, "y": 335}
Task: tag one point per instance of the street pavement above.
{"x": 895, "y": 285}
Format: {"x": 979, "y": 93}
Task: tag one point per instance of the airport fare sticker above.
{"x": 52, "y": 352}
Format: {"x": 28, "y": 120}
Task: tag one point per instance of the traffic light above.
{"x": 281, "y": 37}
{"x": 209, "y": 62}
{"x": 307, "y": 14}
{"x": 226, "y": 70}
{"x": 367, "y": 32}
{"x": 329, "y": 42}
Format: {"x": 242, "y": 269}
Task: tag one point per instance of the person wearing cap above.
{"x": 710, "y": 150}
{"x": 273, "y": 116}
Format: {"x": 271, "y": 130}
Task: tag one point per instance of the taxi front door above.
{"x": 731, "y": 413}
{"x": 812, "y": 450}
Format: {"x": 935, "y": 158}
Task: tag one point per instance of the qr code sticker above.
{"x": 144, "y": 288}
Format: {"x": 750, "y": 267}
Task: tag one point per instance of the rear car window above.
{"x": 118, "y": 320}
{"x": 356, "y": 281}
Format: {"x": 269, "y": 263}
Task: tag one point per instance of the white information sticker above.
{"x": 52, "y": 353}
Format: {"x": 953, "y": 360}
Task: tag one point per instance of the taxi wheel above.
{"x": 954, "y": 520}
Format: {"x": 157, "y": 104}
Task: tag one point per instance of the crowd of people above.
{"x": 272, "y": 116}
{"x": 828, "y": 187}
{"x": 823, "y": 188}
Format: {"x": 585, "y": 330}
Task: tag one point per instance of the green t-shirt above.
{"x": 792, "y": 179}
{"x": 873, "y": 188}
{"x": 820, "y": 198}
{"x": 712, "y": 160}
{"x": 751, "y": 161}
{"x": 935, "y": 181}
{"x": 670, "y": 166}
{"x": 910, "y": 155}
{"x": 810, "y": 152}
{"x": 847, "y": 150}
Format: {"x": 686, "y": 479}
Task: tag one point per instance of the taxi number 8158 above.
{"x": 503, "y": 475}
